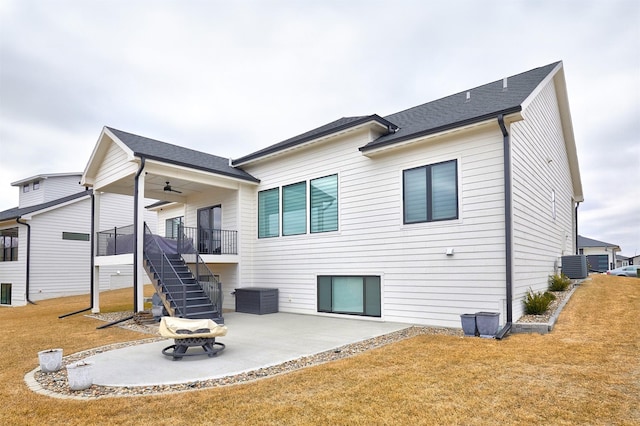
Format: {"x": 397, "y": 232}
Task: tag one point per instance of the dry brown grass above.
{"x": 586, "y": 372}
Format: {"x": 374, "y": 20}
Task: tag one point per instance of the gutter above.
{"x": 506, "y": 147}
{"x": 296, "y": 140}
{"x": 449, "y": 126}
{"x": 247, "y": 178}
{"x": 27, "y": 277}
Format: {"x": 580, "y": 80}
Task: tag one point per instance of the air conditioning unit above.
{"x": 575, "y": 267}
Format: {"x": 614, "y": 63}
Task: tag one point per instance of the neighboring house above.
{"x": 601, "y": 256}
{"x": 45, "y": 242}
{"x": 634, "y": 260}
{"x": 621, "y": 261}
{"x": 455, "y": 206}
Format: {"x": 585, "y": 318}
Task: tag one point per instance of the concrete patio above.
{"x": 252, "y": 342}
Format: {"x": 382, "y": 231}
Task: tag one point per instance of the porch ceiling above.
{"x": 156, "y": 175}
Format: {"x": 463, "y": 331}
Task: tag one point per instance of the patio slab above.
{"x": 252, "y": 342}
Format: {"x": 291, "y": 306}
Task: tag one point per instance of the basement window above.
{"x": 5, "y": 294}
{"x": 351, "y": 295}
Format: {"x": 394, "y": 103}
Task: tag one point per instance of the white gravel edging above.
{"x": 55, "y": 384}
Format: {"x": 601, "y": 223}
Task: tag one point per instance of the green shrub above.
{"x": 537, "y": 303}
{"x": 559, "y": 282}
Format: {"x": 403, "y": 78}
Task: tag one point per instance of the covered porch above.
{"x": 197, "y": 198}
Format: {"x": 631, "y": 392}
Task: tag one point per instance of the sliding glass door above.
{"x": 209, "y": 226}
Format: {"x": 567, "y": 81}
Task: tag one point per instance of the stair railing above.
{"x": 209, "y": 283}
{"x": 207, "y": 280}
{"x": 151, "y": 247}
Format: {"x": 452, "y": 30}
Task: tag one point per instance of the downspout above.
{"x": 92, "y": 261}
{"x": 576, "y": 222}
{"x": 135, "y": 235}
{"x": 506, "y": 147}
{"x": 28, "y": 268}
{"x": 135, "y": 250}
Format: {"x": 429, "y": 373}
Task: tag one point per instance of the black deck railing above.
{"x": 120, "y": 240}
{"x": 208, "y": 241}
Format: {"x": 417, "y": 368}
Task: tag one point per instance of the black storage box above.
{"x": 257, "y": 300}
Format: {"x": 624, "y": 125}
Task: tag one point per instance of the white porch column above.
{"x": 239, "y": 240}
{"x": 95, "y": 303}
{"x": 139, "y": 267}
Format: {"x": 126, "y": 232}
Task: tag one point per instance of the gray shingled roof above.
{"x": 16, "y": 212}
{"x": 588, "y": 242}
{"x": 485, "y": 102}
{"x": 174, "y": 154}
{"x": 327, "y": 129}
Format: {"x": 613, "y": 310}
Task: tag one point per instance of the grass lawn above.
{"x": 587, "y": 371}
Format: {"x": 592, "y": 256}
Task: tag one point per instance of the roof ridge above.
{"x": 471, "y": 89}
{"x": 166, "y": 143}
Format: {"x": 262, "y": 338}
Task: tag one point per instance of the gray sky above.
{"x": 231, "y": 77}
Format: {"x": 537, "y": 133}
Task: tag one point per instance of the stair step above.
{"x": 176, "y": 281}
{"x": 180, "y": 287}
{"x": 192, "y": 299}
{"x": 144, "y": 318}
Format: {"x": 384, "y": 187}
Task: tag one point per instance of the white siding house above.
{"x": 455, "y": 206}
{"x": 52, "y": 228}
{"x": 44, "y": 188}
{"x": 601, "y": 256}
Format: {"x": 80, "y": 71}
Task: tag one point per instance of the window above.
{"x": 353, "y": 295}
{"x": 294, "y": 209}
{"x": 5, "y": 294}
{"x": 430, "y": 193}
{"x": 25, "y": 188}
{"x": 171, "y": 227}
{"x": 76, "y": 236}
{"x": 322, "y": 201}
{"x": 324, "y": 204}
{"x": 36, "y": 185}
{"x": 269, "y": 213}
{"x": 9, "y": 245}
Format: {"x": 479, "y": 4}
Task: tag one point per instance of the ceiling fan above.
{"x": 168, "y": 188}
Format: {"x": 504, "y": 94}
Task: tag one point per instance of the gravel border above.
{"x": 544, "y": 323}
{"x": 56, "y": 385}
